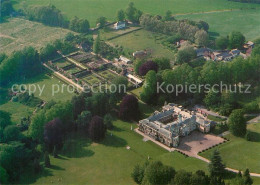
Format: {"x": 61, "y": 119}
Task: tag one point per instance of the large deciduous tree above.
{"x": 236, "y": 40}
{"x": 237, "y": 123}
{"x": 185, "y": 54}
{"x": 129, "y": 108}
{"x": 97, "y": 129}
{"x": 147, "y": 66}
{"x": 53, "y": 133}
{"x": 149, "y": 93}
{"x": 222, "y": 42}
{"x": 201, "y": 38}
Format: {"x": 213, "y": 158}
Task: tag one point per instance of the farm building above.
{"x": 124, "y": 60}
{"x": 172, "y": 123}
{"x": 119, "y": 25}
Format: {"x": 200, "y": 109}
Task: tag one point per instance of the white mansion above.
{"x": 173, "y": 122}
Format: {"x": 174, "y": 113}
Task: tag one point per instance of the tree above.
{"x": 101, "y": 21}
{"x": 120, "y": 15}
{"x": 168, "y": 16}
{"x": 53, "y": 133}
{"x": 3, "y": 176}
{"x": 47, "y": 160}
{"x": 204, "y": 25}
{"x": 185, "y": 54}
{"x": 98, "y": 104}
{"x": 14, "y": 157}
{"x": 237, "y": 123}
{"x": 182, "y": 177}
{"x": 55, "y": 152}
{"x": 236, "y": 40}
{"x": 97, "y": 129}
{"x": 216, "y": 167}
{"x": 78, "y": 105}
{"x": 256, "y": 51}
{"x": 84, "y": 119}
{"x": 96, "y": 45}
{"x": 5, "y": 119}
{"x": 11, "y": 133}
{"x": 163, "y": 63}
{"x": 108, "y": 121}
{"x": 199, "y": 178}
{"x": 6, "y": 8}
{"x": 149, "y": 93}
{"x": 212, "y": 99}
{"x": 247, "y": 178}
{"x": 129, "y": 108}
{"x": 222, "y": 42}
{"x": 120, "y": 84}
{"x": 201, "y": 38}
{"x": 146, "y": 67}
{"x": 130, "y": 11}
{"x": 138, "y": 174}
{"x": 157, "y": 173}
{"x": 137, "y": 65}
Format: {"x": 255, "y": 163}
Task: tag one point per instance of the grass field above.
{"x": 18, "y": 33}
{"x": 17, "y": 110}
{"x": 222, "y": 23}
{"x": 239, "y": 153}
{"x": 109, "y": 162}
{"x": 48, "y": 83}
{"x": 141, "y": 40}
{"x": 93, "y": 9}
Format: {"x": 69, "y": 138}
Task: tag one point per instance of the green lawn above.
{"x": 245, "y": 21}
{"x": 141, "y": 40}
{"x": 18, "y": 33}
{"x": 109, "y": 162}
{"x": 48, "y": 83}
{"x": 137, "y": 91}
{"x": 93, "y": 9}
{"x": 17, "y": 110}
{"x": 239, "y": 153}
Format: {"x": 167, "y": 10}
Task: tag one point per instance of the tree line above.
{"x": 185, "y": 29}
{"x": 155, "y": 172}
{"x": 233, "y": 73}
{"x": 26, "y": 63}
{"x": 50, "y": 15}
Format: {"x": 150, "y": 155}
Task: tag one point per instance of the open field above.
{"x": 18, "y": 33}
{"x": 222, "y": 23}
{"x": 48, "y": 83}
{"x": 17, "y": 110}
{"x": 239, "y": 153}
{"x": 93, "y": 9}
{"x": 140, "y": 40}
{"x": 109, "y": 162}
